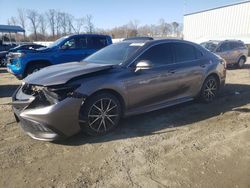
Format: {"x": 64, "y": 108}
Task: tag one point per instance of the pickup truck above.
{"x": 66, "y": 49}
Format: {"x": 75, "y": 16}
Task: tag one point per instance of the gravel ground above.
{"x": 189, "y": 145}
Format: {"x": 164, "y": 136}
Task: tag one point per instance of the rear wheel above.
{"x": 209, "y": 89}
{"x": 241, "y": 62}
{"x": 101, "y": 114}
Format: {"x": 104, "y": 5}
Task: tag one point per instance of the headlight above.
{"x": 17, "y": 55}
{"x": 58, "y": 93}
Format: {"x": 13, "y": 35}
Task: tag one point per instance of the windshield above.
{"x": 57, "y": 42}
{"x": 114, "y": 54}
{"x": 211, "y": 46}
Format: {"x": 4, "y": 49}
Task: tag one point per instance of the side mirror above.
{"x": 64, "y": 47}
{"x": 143, "y": 65}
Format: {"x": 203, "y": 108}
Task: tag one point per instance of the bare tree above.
{"x": 164, "y": 27}
{"x": 22, "y": 19}
{"x": 175, "y": 26}
{"x": 65, "y": 22}
{"x": 33, "y": 16}
{"x": 12, "y": 21}
{"x": 78, "y": 25}
{"x": 89, "y": 23}
{"x": 51, "y": 16}
{"x": 42, "y": 25}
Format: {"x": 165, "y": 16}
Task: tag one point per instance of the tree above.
{"x": 165, "y": 28}
{"x": 12, "y": 21}
{"x": 42, "y": 25}
{"x": 51, "y": 16}
{"x": 22, "y": 19}
{"x": 175, "y": 26}
{"x": 89, "y": 23}
{"x": 79, "y": 23}
{"x": 33, "y": 16}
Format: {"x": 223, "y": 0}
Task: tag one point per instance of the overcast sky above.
{"x": 110, "y": 13}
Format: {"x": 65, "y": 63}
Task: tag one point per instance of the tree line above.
{"x": 54, "y": 24}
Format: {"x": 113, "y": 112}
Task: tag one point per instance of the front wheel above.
{"x": 101, "y": 114}
{"x": 209, "y": 89}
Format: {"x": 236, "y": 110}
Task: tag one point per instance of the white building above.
{"x": 227, "y": 22}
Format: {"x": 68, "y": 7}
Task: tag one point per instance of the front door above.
{"x": 157, "y": 84}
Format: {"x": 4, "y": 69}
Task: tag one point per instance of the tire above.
{"x": 34, "y": 68}
{"x": 209, "y": 89}
{"x": 241, "y": 62}
{"x": 101, "y": 114}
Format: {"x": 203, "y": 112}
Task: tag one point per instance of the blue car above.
{"x": 66, "y": 49}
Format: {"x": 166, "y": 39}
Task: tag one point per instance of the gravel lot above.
{"x": 189, "y": 145}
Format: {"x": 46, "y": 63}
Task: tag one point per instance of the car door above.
{"x": 190, "y": 65}
{"x": 156, "y": 85}
{"x": 74, "y": 49}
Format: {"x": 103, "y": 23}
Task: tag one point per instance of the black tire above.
{"x": 101, "y": 114}
{"x": 241, "y": 62}
{"x": 210, "y": 89}
{"x": 34, "y": 68}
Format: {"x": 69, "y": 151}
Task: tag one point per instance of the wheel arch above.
{"x": 112, "y": 91}
{"x": 217, "y": 77}
{"x": 33, "y": 62}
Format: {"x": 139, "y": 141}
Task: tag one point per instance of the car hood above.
{"x": 60, "y": 74}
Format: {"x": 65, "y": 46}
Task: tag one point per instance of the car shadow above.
{"x": 7, "y": 90}
{"x": 231, "y": 98}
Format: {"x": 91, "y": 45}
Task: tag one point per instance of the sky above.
{"x": 110, "y": 13}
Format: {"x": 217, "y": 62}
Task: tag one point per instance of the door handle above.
{"x": 203, "y": 65}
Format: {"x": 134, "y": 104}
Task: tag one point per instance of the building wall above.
{"x": 230, "y": 22}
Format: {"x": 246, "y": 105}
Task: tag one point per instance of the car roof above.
{"x": 138, "y": 38}
{"x": 98, "y": 35}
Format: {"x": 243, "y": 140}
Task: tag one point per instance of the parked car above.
{"x": 123, "y": 79}
{"x": 5, "y": 54}
{"x": 235, "y": 52}
{"x": 66, "y": 49}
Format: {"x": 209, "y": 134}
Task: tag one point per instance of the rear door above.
{"x": 95, "y": 43}
{"x": 190, "y": 66}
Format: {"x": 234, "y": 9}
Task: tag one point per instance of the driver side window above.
{"x": 70, "y": 44}
{"x": 158, "y": 55}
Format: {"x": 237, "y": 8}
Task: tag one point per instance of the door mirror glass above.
{"x": 143, "y": 65}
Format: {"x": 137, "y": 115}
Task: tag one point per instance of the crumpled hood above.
{"x": 60, "y": 74}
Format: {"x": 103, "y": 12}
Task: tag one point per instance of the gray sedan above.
{"x": 123, "y": 79}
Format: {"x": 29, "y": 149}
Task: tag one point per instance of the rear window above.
{"x": 184, "y": 52}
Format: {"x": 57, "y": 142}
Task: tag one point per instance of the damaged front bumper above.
{"x": 43, "y": 120}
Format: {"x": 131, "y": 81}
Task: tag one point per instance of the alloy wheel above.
{"x": 103, "y": 115}
{"x": 210, "y": 90}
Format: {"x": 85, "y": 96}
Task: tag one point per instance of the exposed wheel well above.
{"x": 40, "y": 62}
{"x": 244, "y": 57}
{"x": 115, "y": 93}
